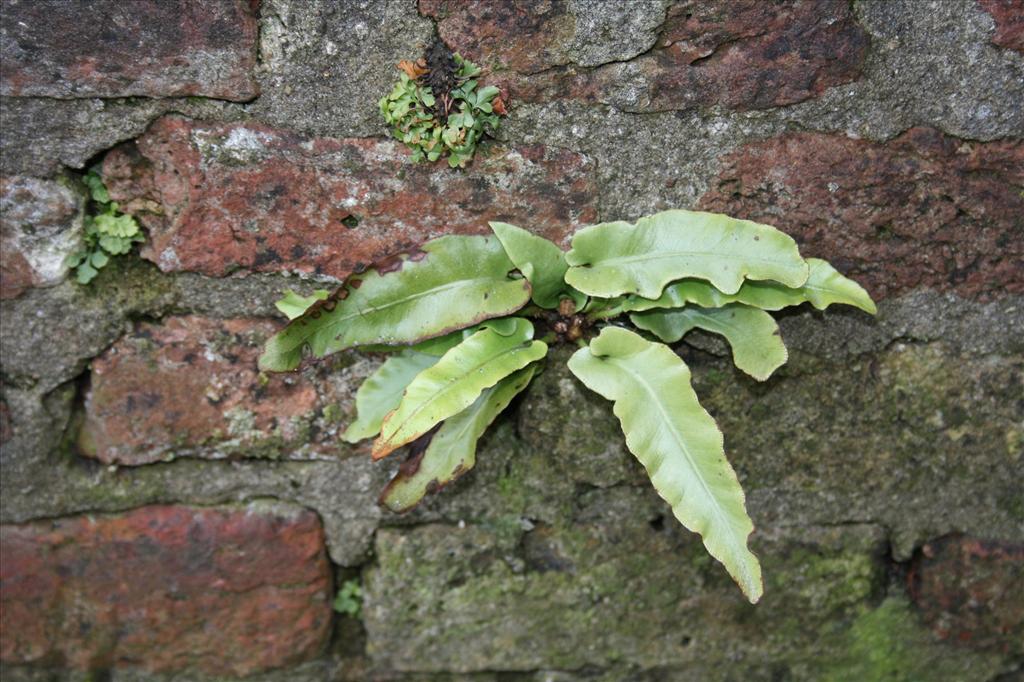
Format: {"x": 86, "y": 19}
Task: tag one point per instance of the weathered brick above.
{"x": 190, "y": 387}
{"x": 969, "y": 590}
{"x": 222, "y": 590}
{"x": 497, "y": 35}
{"x": 6, "y": 429}
{"x": 110, "y": 48}
{"x": 218, "y": 197}
{"x": 40, "y": 225}
{"x": 923, "y": 210}
{"x": 612, "y": 588}
{"x": 744, "y": 54}
{"x": 1009, "y": 18}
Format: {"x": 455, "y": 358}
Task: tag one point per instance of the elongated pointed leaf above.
{"x": 438, "y": 346}
{"x": 824, "y": 287}
{"x": 612, "y": 259}
{"x": 381, "y": 392}
{"x": 458, "y": 378}
{"x": 676, "y": 440}
{"x": 753, "y": 334}
{"x": 540, "y": 261}
{"x": 454, "y": 282}
{"x": 293, "y": 304}
{"x": 452, "y": 451}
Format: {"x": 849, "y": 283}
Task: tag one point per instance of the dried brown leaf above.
{"x": 413, "y": 69}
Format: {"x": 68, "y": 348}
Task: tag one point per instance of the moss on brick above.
{"x": 888, "y": 644}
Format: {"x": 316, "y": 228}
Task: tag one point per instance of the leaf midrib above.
{"x": 444, "y": 287}
{"x": 679, "y": 441}
{"x": 700, "y": 316}
{"x": 434, "y": 396}
{"x": 471, "y": 420}
{"x": 380, "y": 401}
{"x": 822, "y": 289}
{"x": 334, "y": 323}
{"x": 674, "y": 254}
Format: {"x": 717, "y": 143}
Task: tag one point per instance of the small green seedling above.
{"x": 455, "y": 313}
{"x": 349, "y": 599}
{"x": 108, "y": 232}
{"x": 439, "y": 111}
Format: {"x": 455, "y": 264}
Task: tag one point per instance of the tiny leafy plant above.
{"x": 469, "y": 319}
{"x": 108, "y": 232}
{"x": 438, "y": 108}
{"x": 349, "y": 599}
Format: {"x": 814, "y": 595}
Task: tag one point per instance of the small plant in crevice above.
{"x": 439, "y": 109}
{"x": 108, "y": 231}
{"x": 349, "y": 599}
{"x": 469, "y": 320}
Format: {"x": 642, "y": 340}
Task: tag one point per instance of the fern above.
{"x": 439, "y": 110}
{"x": 108, "y": 232}
{"x": 456, "y": 315}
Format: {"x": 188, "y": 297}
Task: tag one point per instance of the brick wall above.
{"x": 169, "y": 513}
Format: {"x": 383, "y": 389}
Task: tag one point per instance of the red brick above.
{"x": 229, "y": 196}
{"x": 922, "y": 210}
{"x": 112, "y": 48}
{"x": 16, "y": 274}
{"x": 1009, "y": 18}
{"x": 231, "y": 590}
{"x": 744, "y": 54}
{"x": 190, "y": 387}
{"x": 6, "y": 429}
{"x": 499, "y": 35}
{"x": 40, "y": 225}
{"x": 969, "y": 591}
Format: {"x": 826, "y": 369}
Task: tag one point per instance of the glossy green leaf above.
{"x": 676, "y": 440}
{"x": 436, "y": 346}
{"x": 452, "y": 450}
{"x": 753, "y": 334}
{"x": 381, "y": 392}
{"x": 440, "y": 345}
{"x": 824, "y": 287}
{"x": 458, "y": 378}
{"x": 540, "y": 261}
{"x": 612, "y": 259}
{"x": 454, "y": 282}
{"x": 293, "y": 304}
